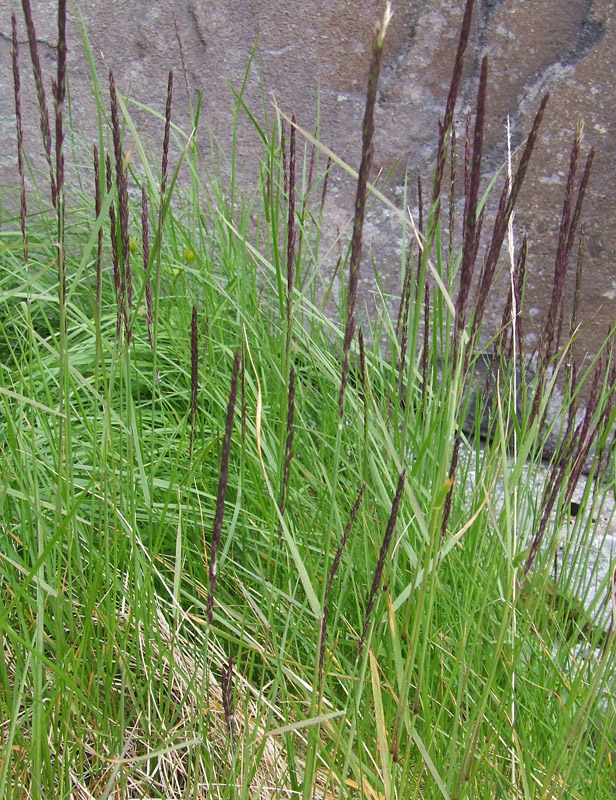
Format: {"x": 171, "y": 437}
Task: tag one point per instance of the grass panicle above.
{"x": 59, "y": 95}
{"x": 291, "y": 234}
{"x": 550, "y": 337}
{"x": 40, "y": 93}
{"x": 570, "y": 216}
{"x": 468, "y": 154}
{"x": 122, "y": 194}
{"x": 360, "y": 199}
{"x": 23, "y": 208}
{"x": 402, "y": 332}
{"x": 564, "y": 253}
{"x": 113, "y": 233}
{"x": 380, "y": 566}
{"x": 470, "y": 232}
{"x": 166, "y": 137}
{"x": 194, "y": 375}
{"x": 291, "y": 219}
{"x": 454, "y": 88}
{"x": 529, "y": 147}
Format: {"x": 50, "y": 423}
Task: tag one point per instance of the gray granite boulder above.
{"x": 316, "y": 52}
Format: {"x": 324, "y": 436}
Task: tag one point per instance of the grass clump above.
{"x": 248, "y": 553}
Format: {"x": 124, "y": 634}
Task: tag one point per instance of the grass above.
{"x": 249, "y": 550}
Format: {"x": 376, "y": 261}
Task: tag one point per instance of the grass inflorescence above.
{"x": 250, "y": 550}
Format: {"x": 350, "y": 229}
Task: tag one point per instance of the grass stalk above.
{"x": 99, "y": 242}
{"x": 288, "y": 451}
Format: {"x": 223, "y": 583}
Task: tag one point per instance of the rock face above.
{"x": 312, "y": 57}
